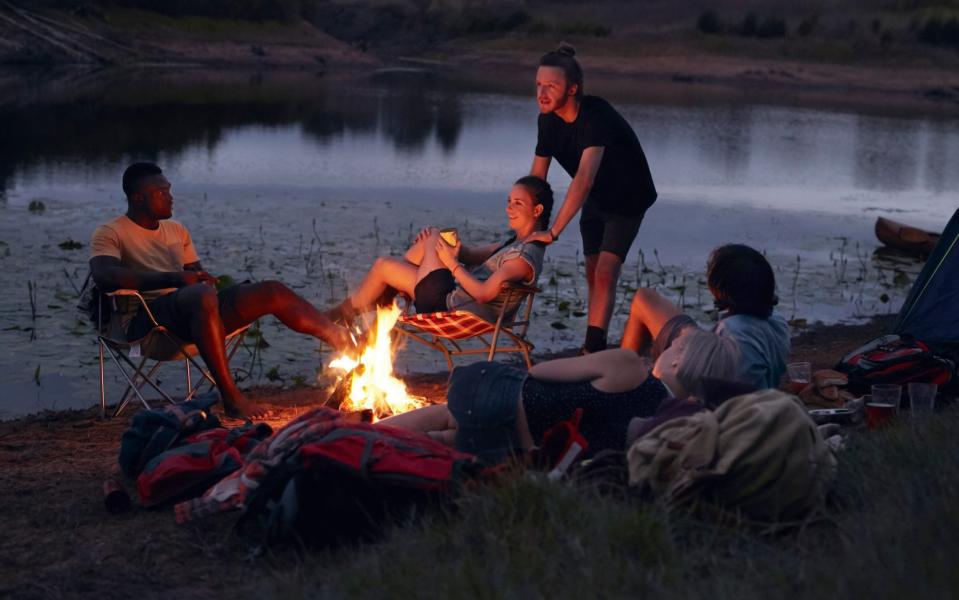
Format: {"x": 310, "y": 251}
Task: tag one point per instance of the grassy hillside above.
{"x": 898, "y": 31}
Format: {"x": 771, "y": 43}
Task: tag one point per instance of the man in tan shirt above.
{"x": 146, "y": 250}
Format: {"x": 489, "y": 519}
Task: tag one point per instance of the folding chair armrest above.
{"x": 134, "y": 294}
{"x": 521, "y": 287}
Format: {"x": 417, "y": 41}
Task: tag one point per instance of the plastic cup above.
{"x": 800, "y": 375}
{"x": 877, "y": 415}
{"x": 922, "y": 398}
{"x": 887, "y": 393}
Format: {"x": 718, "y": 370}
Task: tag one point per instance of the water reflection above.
{"x": 887, "y": 153}
{"x": 147, "y": 116}
{"x": 941, "y": 157}
{"x": 419, "y": 128}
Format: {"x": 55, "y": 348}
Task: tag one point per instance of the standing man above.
{"x": 611, "y": 179}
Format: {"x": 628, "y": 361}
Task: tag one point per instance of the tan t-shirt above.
{"x": 164, "y": 249}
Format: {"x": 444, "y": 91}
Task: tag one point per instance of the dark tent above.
{"x": 931, "y": 311}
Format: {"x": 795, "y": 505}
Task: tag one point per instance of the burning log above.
{"x": 368, "y": 383}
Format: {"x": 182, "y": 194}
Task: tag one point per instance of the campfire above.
{"x": 372, "y": 385}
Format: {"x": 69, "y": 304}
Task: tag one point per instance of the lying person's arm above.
{"x": 616, "y": 370}
{"x": 110, "y": 275}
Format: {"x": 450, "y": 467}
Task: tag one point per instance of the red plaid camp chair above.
{"x": 167, "y": 348}
{"x": 444, "y": 331}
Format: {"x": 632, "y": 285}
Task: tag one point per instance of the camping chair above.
{"x": 159, "y": 346}
{"x": 444, "y": 331}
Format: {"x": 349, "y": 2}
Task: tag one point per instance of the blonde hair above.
{"x": 703, "y": 354}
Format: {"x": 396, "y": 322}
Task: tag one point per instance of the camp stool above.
{"x": 158, "y": 345}
{"x": 445, "y": 331}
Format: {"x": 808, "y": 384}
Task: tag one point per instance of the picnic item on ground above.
{"x": 195, "y": 463}
{"x": 115, "y": 498}
{"x": 827, "y": 390}
{"x": 759, "y": 455}
{"x": 878, "y": 415}
{"x": 887, "y": 393}
{"x": 838, "y": 416}
{"x": 561, "y": 445}
{"x": 152, "y": 432}
{"x": 450, "y": 236}
{"x": 800, "y": 375}
{"x": 905, "y": 238}
{"x": 922, "y": 398}
{"x": 326, "y": 478}
{"x": 894, "y": 359}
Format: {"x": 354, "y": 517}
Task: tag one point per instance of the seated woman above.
{"x": 439, "y": 277}
{"x": 494, "y": 409}
{"x": 744, "y": 287}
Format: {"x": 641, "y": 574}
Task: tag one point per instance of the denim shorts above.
{"x": 484, "y": 398}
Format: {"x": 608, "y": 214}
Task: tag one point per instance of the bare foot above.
{"x": 241, "y": 408}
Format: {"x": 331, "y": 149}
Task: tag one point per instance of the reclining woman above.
{"x": 743, "y": 286}
{"x": 440, "y": 277}
{"x": 494, "y": 409}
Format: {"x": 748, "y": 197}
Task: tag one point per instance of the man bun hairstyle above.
{"x": 742, "y": 281}
{"x": 542, "y": 194}
{"x": 136, "y": 173}
{"x": 563, "y": 57}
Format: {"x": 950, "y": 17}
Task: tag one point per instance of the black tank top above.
{"x": 605, "y": 415}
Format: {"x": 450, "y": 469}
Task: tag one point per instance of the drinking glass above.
{"x": 922, "y": 398}
{"x": 887, "y": 394}
{"x": 800, "y": 375}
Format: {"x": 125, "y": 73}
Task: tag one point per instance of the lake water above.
{"x": 307, "y": 178}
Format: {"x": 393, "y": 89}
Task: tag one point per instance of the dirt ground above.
{"x": 59, "y": 541}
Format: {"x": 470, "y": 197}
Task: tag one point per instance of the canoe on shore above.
{"x": 906, "y": 238}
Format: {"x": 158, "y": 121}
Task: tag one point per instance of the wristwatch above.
{"x": 553, "y": 235}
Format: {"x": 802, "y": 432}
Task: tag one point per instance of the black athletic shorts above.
{"x": 607, "y": 232}
{"x": 430, "y": 293}
{"x": 166, "y": 313}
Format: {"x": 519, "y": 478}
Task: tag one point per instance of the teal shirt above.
{"x": 764, "y": 344}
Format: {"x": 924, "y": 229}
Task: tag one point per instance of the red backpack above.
{"x": 325, "y": 479}
{"x": 895, "y": 359}
{"x": 199, "y": 461}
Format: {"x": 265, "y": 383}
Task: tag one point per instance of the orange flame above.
{"x": 373, "y": 386}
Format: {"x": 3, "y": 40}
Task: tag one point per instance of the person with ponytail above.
{"x": 611, "y": 179}
{"x": 439, "y": 276}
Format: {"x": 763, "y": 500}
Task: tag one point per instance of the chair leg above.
{"x": 492, "y": 344}
{"x": 189, "y": 383}
{"x": 103, "y": 384}
{"x": 138, "y": 371}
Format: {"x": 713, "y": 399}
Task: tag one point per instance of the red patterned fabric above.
{"x": 454, "y": 325}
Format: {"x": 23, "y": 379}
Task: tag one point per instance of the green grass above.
{"x": 892, "y": 531}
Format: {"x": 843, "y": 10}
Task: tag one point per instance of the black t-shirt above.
{"x": 623, "y": 184}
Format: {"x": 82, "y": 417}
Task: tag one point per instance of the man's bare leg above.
{"x": 648, "y": 313}
{"x": 199, "y": 302}
{"x": 255, "y": 300}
